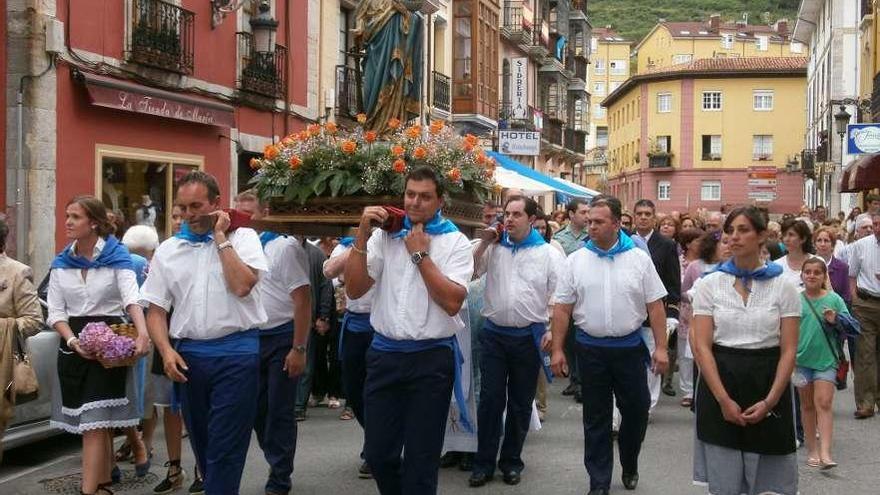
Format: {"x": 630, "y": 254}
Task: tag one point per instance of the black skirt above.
{"x": 85, "y": 382}
{"x": 747, "y": 376}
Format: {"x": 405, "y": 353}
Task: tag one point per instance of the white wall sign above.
{"x": 519, "y": 89}
{"x": 519, "y": 142}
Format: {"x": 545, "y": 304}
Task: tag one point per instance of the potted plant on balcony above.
{"x": 658, "y": 157}
{"x": 326, "y": 175}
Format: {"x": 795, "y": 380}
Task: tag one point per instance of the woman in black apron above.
{"x": 744, "y": 337}
{"x": 93, "y": 280}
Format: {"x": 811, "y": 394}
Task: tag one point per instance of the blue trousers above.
{"x": 354, "y": 370}
{"x": 219, "y": 406}
{"x": 619, "y": 371}
{"x": 508, "y": 366}
{"x": 275, "y": 425}
{"x": 406, "y": 404}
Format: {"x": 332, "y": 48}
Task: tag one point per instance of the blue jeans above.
{"x": 219, "y": 403}
{"x": 275, "y": 425}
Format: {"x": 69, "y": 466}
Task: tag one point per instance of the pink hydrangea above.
{"x": 117, "y": 348}
{"x": 95, "y": 336}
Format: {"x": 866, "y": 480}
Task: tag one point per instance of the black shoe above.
{"x": 299, "y": 415}
{"x": 450, "y": 459}
{"x": 578, "y": 397}
{"x": 598, "y": 491}
{"x": 364, "y": 472}
{"x": 668, "y": 390}
{"x": 173, "y": 479}
{"x": 511, "y": 478}
{"x": 571, "y": 389}
{"x": 630, "y": 481}
{"x": 479, "y": 479}
{"x": 197, "y": 487}
{"x": 467, "y": 462}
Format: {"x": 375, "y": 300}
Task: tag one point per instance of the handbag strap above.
{"x": 822, "y": 326}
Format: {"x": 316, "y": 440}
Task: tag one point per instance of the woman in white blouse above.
{"x": 91, "y": 280}
{"x": 798, "y": 239}
{"x": 744, "y": 335}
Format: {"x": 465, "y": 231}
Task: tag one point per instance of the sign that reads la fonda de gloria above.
{"x": 862, "y": 139}
{"x": 519, "y": 142}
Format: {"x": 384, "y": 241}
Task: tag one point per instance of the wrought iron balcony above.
{"x": 506, "y": 116}
{"x": 660, "y": 160}
{"x": 514, "y": 27}
{"x": 349, "y": 101}
{"x": 576, "y": 141}
{"x": 552, "y": 132}
{"x": 808, "y": 163}
{"x": 162, "y": 36}
{"x": 441, "y": 97}
{"x": 263, "y": 73}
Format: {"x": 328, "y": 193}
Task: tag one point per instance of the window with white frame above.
{"x": 710, "y": 190}
{"x": 599, "y": 89}
{"x": 727, "y": 40}
{"x": 599, "y": 66}
{"x": 711, "y": 147}
{"x": 762, "y": 100}
{"x": 711, "y": 101}
{"x": 761, "y": 43}
{"x": 664, "y": 189}
{"x": 664, "y": 102}
{"x": 682, "y": 58}
{"x": 762, "y": 147}
{"x": 618, "y": 67}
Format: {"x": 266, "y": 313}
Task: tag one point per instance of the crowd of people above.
{"x": 440, "y": 344}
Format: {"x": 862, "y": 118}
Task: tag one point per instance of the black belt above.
{"x": 867, "y": 296}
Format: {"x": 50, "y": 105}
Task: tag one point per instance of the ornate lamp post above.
{"x": 263, "y": 26}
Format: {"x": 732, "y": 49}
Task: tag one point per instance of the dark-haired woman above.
{"x": 93, "y": 280}
{"x": 689, "y": 242}
{"x": 798, "y": 240}
{"x": 744, "y": 335}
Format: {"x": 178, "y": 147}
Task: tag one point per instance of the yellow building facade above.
{"x": 672, "y": 43}
{"x": 686, "y": 136}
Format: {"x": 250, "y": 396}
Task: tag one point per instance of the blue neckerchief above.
{"x": 346, "y": 241}
{"x": 766, "y": 272}
{"x": 188, "y": 235}
{"x": 640, "y": 243}
{"x": 354, "y": 323}
{"x": 140, "y": 265}
{"x": 114, "y": 255}
{"x": 533, "y": 239}
{"x": 436, "y": 225}
{"x": 266, "y": 237}
{"x": 535, "y": 331}
{"x": 624, "y": 244}
{"x": 382, "y": 343}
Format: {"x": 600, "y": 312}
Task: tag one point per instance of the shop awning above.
{"x": 509, "y": 179}
{"x": 586, "y": 190}
{"x": 563, "y": 191}
{"x": 123, "y": 95}
{"x": 862, "y": 174}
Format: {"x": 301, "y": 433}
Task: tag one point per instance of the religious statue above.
{"x": 391, "y": 36}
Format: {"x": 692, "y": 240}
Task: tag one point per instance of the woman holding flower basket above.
{"x": 92, "y": 285}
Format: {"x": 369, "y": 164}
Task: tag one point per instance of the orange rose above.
{"x": 370, "y": 136}
{"x": 361, "y": 118}
{"x": 330, "y": 127}
{"x": 471, "y": 139}
{"x": 270, "y": 152}
{"x": 455, "y": 174}
{"x": 398, "y": 150}
{"x": 399, "y": 166}
{"x": 414, "y": 132}
{"x": 349, "y": 146}
{"x": 314, "y": 129}
{"x": 287, "y": 141}
{"x": 304, "y": 135}
{"x": 394, "y": 123}
{"x": 467, "y": 146}
{"x": 255, "y": 164}
{"x": 420, "y": 153}
{"x": 480, "y": 157}
{"x": 436, "y": 127}
{"x": 295, "y": 162}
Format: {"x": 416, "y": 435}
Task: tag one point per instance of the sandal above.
{"x": 174, "y": 478}
{"x": 813, "y": 462}
{"x": 102, "y": 489}
{"x": 687, "y": 402}
{"x": 124, "y": 452}
{"x": 347, "y": 414}
{"x": 828, "y": 465}
{"x": 333, "y": 403}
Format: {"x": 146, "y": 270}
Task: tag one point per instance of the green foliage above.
{"x": 633, "y": 19}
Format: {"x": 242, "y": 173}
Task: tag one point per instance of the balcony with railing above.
{"x": 539, "y": 45}
{"x": 576, "y": 141}
{"x": 441, "y": 97}
{"x": 576, "y": 66}
{"x": 660, "y": 160}
{"x": 349, "y": 101}
{"x": 553, "y": 95}
{"x": 508, "y": 118}
{"x": 514, "y": 27}
{"x": 262, "y": 73}
{"x": 552, "y": 132}
{"x": 162, "y": 36}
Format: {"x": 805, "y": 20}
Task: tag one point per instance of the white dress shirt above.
{"x": 189, "y": 277}
{"x": 103, "y": 292}
{"x": 747, "y": 326}
{"x": 402, "y": 307}
{"x": 519, "y": 286}
{"x": 610, "y": 297}
{"x": 363, "y": 304}
{"x": 791, "y": 274}
{"x": 864, "y": 263}
{"x": 287, "y": 262}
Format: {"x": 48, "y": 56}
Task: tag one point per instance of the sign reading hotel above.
{"x": 526, "y": 143}
{"x": 862, "y": 139}
{"x": 519, "y": 90}
{"x": 762, "y": 184}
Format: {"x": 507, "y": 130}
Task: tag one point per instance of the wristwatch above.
{"x": 223, "y": 245}
{"x": 300, "y": 349}
{"x": 418, "y": 256}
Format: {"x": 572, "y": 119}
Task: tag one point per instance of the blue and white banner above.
{"x": 862, "y": 139}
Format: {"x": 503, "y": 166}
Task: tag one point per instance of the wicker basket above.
{"x": 124, "y": 330}
{"x": 336, "y": 216}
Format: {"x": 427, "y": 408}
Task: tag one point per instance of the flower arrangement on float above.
{"x": 326, "y": 161}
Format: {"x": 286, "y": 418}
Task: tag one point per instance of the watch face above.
{"x": 416, "y": 258}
